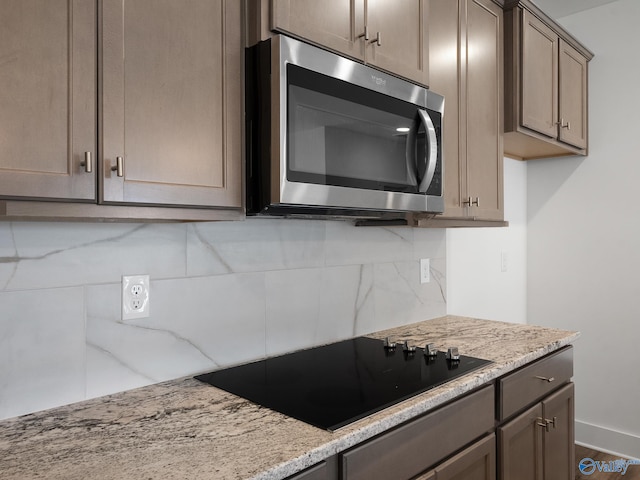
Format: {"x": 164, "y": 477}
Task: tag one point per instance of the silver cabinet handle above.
{"x": 564, "y": 125}
{"x": 119, "y": 167}
{"x": 377, "y": 40}
{"x": 365, "y": 34}
{"x": 542, "y": 423}
{"x": 546, "y": 379}
{"x": 88, "y": 162}
{"x": 551, "y": 422}
{"x": 546, "y": 423}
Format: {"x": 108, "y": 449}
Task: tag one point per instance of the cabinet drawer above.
{"x": 317, "y": 472}
{"x": 414, "y": 447}
{"x": 531, "y": 383}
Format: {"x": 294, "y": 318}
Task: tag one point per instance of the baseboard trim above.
{"x": 607, "y": 440}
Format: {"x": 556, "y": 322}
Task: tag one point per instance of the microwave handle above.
{"x": 411, "y": 155}
{"x": 431, "y": 151}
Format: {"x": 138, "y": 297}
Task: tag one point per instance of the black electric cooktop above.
{"x": 334, "y": 385}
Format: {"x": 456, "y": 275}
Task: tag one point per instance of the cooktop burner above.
{"x": 334, "y": 385}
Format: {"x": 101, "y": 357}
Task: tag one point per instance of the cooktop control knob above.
{"x": 430, "y": 350}
{"x": 452, "y": 354}
{"x": 388, "y": 344}
{"x": 408, "y": 348}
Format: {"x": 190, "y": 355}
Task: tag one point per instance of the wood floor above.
{"x": 633, "y": 471}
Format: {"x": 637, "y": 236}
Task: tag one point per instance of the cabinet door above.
{"x": 482, "y": 97}
{"x": 478, "y": 462}
{"x": 573, "y": 96}
{"x": 539, "y": 76}
{"x": 171, "y": 102}
{"x": 47, "y": 98}
{"x": 444, "y": 43}
{"x": 559, "y": 446}
{"x": 520, "y": 447}
{"x": 402, "y": 26}
{"x": 335, "y": 24}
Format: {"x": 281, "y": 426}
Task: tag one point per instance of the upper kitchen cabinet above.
{"x": 48, "y": 99}
{"x": 467, "y": 68}
{"x": 121, "y": 109}
{"x": 397, "y": 37}
{"x": 391, "y": 36}
{"x": 335, "y": 24}
{"x": 545, "y": 86}
{"x": 170, "y": 102}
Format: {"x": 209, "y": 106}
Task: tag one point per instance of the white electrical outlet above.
{"x": 135, "y": 296}
{"x": 425, "y": 274}
{"x": 504, "y": 261}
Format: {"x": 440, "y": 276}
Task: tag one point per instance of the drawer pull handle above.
{"x": 546, "y": 379}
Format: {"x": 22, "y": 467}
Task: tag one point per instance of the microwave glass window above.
{"x": 345, "y": 135}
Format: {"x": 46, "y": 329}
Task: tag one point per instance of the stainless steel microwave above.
{"x": 330, "y": 136}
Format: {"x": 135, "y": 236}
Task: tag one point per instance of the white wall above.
{"x": 477, "y": 286}
{"x": 221, "y": 293}
{"x": 584, "y": 236}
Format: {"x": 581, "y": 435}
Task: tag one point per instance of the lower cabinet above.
{"x": 538, "y": 444}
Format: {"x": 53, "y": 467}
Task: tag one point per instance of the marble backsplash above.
{"x": 221, "y": 294}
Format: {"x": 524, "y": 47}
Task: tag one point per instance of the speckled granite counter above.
{"x": 186, "y": 429}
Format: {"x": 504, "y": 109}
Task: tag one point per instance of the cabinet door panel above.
{"x": 444, "y": 41}
{"x": 559, "y": 447}
{"x": 482, "y": 93}
{"x": 404, "y": 48}
{"x": 335, "y": 24}
{"x": 478, "y": 462}
{"x": 520, "y": 447}
{"x": 171, "y": 102}
{"x": 573, "y": 96}
{"x": 539, "y": 76}
{"x": 47, "y": 98}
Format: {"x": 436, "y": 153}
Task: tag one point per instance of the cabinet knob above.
{"x": 88, "y": 162}
{"x": 119, "y": 167}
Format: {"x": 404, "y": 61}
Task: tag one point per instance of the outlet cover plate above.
{"x": 425, "y": 274}
{"x": 135, "y": 297}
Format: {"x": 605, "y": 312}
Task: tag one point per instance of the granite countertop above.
{"x": 186, "y": 429}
